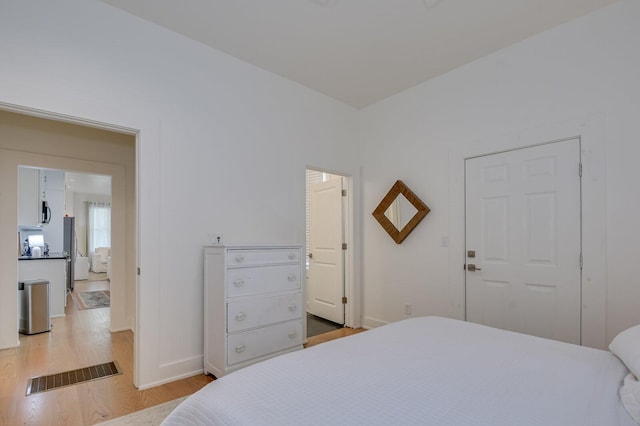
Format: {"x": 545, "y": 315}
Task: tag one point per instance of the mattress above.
{"x": 420, "y": 371}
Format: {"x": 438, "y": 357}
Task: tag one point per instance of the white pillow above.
{"x": 630, "y": 396}
{"x": 626, "y": 346}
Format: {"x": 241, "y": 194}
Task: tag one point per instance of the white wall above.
{"x": 222, "y": 147}
{"x": 585, "y": 68}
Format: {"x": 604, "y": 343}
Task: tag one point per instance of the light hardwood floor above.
{"x": 81, "y": 339}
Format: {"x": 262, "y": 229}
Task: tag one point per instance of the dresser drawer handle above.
{"x": 239, "y": 258}
{"x": 292, "y": 256}
{"x": 293, "y": 307}
{"x": 240, "y": 349}
{"x": 238, "y": 282}
{"x": 292, "y": 278}
{"x": 292, "y": 334}
{"x": 240, "y": 316}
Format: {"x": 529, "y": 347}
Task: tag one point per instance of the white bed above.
{"x": 423, "y": 371}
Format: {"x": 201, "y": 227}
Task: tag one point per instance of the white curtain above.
{"x": 99, "y": 225}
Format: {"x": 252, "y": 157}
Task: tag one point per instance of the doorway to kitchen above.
{"x": 53, "y": 145}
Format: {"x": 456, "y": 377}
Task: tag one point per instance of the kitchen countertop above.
{"x": 62, "y": 255}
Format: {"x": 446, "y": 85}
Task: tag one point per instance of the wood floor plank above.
{"x": 82, "y": 339}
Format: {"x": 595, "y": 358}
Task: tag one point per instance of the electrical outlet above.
{"x": 407, "y": 309}
{"x": 215, "y": 239}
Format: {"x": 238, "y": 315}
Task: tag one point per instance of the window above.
{"x": 99, "y": 225}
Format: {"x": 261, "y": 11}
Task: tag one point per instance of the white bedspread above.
{"x": 421, "y": 371}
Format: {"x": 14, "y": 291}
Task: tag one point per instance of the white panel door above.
{"x": 326, "y": 262}
{"x": 523, "y": 222}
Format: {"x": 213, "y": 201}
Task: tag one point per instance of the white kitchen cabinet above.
{"x": 52, "y": 191}
{"x": 253, "y": 306}
{"x": 35, "y": 186}
{"x": 28, "y": 196}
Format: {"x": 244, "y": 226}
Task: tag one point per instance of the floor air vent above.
{"x": 68, "y": 378}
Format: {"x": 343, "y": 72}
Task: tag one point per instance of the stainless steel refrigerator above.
{"x": 69, "y": 245}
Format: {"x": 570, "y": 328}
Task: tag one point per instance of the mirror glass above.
{"x": 400, "y": 212}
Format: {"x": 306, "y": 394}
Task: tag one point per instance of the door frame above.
{"x": 590, "y": 130}
{"x": 117, "y": 186}
{"x": 351, "y": 311}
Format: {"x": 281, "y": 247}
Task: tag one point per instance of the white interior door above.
{"x": 325, "y": 284}
{"x": 523, "y": 222}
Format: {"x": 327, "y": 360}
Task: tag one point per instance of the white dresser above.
{"x": 252, "y": 305}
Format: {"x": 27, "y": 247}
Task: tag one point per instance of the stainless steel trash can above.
{"x": 34, "y": 306}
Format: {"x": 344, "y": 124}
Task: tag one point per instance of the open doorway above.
{"x": 88, "y": 202}
{"x": 56, "y": 147}
{"x": 326, "y": 245}
{"x": 88, "y": 213}
{"x": 70, "y": 213}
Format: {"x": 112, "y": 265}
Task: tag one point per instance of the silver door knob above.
{"x": 471, "y": 267}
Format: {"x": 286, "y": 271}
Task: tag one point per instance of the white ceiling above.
{"x": 87, "y": 183}
{"x": 358, "y": 51}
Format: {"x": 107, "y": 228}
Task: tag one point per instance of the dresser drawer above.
{"x": 264, "y": 311}
{"x": 259, "y": 257}
{"x": 263, "y": 341}
{"x": 259, "y": 280}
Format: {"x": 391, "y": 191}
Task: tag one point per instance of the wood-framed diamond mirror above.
{"x": 400, "y": 211}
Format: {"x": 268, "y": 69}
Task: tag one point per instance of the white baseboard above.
{"x": 171, "y": 379}
{"x": 368, "y": 322}
{"x": 10, "y": 346}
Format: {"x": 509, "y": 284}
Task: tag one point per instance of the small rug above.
{"x": 92, "y": 299}
{"x": 152, "y": 416}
